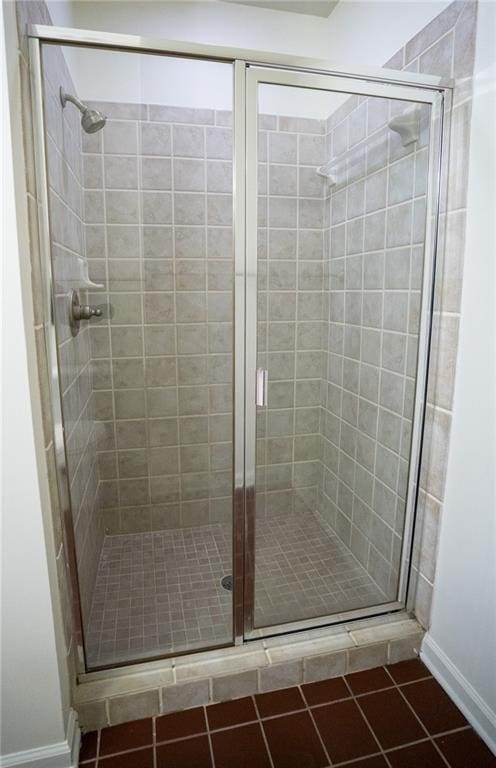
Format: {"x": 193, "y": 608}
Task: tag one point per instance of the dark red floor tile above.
{"x": 89, "y": 743}
{"x": 140, "y": 758}
{"x": 344, "y": 731}
{"x": 180, "y": 724}
{"x": 325, "y": 691}
{"x": 370, "y": 762}
{"x": 120, "y": 738}
{"x": 243, "y": 747}
{"x": 294, "y": 742}
{"x": 278, "y": 702}
{"x": 390, "y": 718}
{"x": 186, "y": 753}
{"x": 406, "y": 671}
{"x": 369, "y": 680}
{"x": 231, "y": 713}
{"x": 433, "y": 706}
{"x": 465, "y": 749}
{"x": 91, "y": 764}
{"x": 422, "y": 754}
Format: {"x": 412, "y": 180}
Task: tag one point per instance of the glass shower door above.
{"x": 336, "y": 199}
{"x": 140, "y": 230}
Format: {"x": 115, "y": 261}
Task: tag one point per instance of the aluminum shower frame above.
{"x": 250, "y": 67}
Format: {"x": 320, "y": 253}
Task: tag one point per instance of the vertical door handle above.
{"x": 261, "y": 386}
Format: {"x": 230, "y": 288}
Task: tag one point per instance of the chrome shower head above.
{"x": 92, "y": 120}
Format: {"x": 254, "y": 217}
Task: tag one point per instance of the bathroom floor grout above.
{"x": 388, "y": 717}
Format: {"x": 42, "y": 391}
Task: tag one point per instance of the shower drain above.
{"x": 226, "y": 582}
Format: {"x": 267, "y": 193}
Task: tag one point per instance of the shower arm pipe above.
{"x": 65, "y": 97}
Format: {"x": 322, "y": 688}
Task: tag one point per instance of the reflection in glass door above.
{"x": 341, "y": 185}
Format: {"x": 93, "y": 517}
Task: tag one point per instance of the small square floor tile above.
{"x": 294, "y": 742}
{"x": 180, "y": 724}
{"x": 464, "y": 749}
{"x": 433, "y": 706}
{"x": 140, "y": 758}
{"x": 121, "y": 738}
{"x": 243, "y": 747}
{"x": 390, "y": 718}
{"x": 325, "y": 691}
{"x": 369, "y": 680}
{"x": 202, "y": 555}
{"x": 231, "y": 713}
{"x": 278, "y": 702}
{"x": 344, "y": 731}
{"x": 185, "y": 753}
{"x": 89, "y": 742}
{"x": 422, "y": 754}
{"x": 406, "y": 671}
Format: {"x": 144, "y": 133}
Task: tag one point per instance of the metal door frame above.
{"x": 255, "y": 76}
{"x": 249, "y": 68}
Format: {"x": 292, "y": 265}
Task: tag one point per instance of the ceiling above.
{"x": 309, "y": 7}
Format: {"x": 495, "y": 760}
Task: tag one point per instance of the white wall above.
{"x": 461, "y": 644}
{"x": 100, "y": 75}
{"x": 363, "y": 33}
{"x": 369, "y": 32}
{"x": 33, "y": 695}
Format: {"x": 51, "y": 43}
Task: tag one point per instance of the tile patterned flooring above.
{"x": 303, "y": 570}
{"x": 388, "y": 717}
{"x": 160, "y": 592}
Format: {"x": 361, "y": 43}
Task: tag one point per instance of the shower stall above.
{"x": 238, "y": 256}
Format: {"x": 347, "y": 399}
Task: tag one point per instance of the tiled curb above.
{"x": 107, "y": 698}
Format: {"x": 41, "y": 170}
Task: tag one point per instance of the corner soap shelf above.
{"x": 336, "y": 170}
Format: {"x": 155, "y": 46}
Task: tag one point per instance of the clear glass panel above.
{"x": 141, "y": 226}
{"x": 341, "y": 227}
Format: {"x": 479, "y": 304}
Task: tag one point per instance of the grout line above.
{"x": 316, "y": 728}
{"x": 209, "y": 736}
{"x": 154, "y": 734}
{"x": 264, "y": 735}
{"x": 405, "y": 699}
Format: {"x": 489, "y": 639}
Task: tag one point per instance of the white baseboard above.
{"x": 64, "y": 754}
{"x": 475, "y": 709}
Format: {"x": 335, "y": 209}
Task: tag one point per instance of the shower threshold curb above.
{"x": 119, "y": 695}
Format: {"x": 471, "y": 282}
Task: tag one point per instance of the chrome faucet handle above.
{"x": 80, "y": 312}
{"x": 85, "y": 312}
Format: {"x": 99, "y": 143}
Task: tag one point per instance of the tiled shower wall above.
{"x": 377, "y": 213}
{"x": 66, "y": 201}
{"x": 445, "y": 47}
{"x": 158, "y": 216}
{"x": 37, "y": 327}
{"x": 158, "y": 237}
{"x": 290, "y": 291}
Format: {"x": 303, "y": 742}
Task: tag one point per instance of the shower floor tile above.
{"x": 303, "y": 570}
{"x": 160, "y": 593}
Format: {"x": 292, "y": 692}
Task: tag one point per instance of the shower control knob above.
{"x": 85, "y": 312}
{"x": 80, "y": 312}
